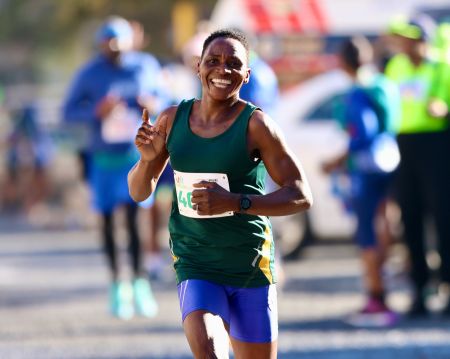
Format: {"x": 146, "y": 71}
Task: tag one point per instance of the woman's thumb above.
{"x": 145, "y": 117}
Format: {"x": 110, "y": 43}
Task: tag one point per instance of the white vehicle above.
{"x": 306, "y": 115}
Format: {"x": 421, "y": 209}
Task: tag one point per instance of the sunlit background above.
{"x": 44, "y": 42}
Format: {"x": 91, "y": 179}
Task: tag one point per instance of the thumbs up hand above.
{"x": 151, "y": 139}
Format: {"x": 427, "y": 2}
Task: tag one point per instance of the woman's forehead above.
{"x": 231, "y": 46}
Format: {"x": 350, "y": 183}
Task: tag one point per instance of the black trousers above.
{"x": 423, "y": 189}
{"x": 134, "y": 245}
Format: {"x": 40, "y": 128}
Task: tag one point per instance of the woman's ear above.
{"x": 247, "y": 78}
{"x": 198, "y": 70}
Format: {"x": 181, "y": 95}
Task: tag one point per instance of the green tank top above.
{"x": 237, "y": 250}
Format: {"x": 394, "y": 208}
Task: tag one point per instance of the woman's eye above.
{"x": 235, "y": 64}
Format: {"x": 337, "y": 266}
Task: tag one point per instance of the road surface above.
{"x": 53, "y": 305}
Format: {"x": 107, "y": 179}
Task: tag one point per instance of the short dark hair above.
{"x": 227, "y": 34}
{"x": 356, "y": 52}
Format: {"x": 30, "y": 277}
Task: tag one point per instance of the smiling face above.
{"x": 223, "y": 68}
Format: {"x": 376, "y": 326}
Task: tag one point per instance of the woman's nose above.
{"x": 223, "y": 68}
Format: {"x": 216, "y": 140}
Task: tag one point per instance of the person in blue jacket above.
{"x": 107, "y": 96}
{"x": 372, "y": 156}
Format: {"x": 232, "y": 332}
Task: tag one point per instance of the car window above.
{"x": 328, "y": 109}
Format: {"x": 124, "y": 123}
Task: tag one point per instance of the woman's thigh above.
{"x": 254, "y": 314}
{"x": 254, "y": 322}
{"x": 205, "y": 315}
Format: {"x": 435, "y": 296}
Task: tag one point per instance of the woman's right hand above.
{"x": 150, "y": 140}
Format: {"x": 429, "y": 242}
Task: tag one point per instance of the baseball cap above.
{"x": 419, "y": 27}
{"x": 116, "y": 28}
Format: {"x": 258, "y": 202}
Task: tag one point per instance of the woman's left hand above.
{"x": 210, "y": 199}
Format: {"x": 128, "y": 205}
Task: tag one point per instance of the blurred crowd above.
{"x": 396, "y": 116}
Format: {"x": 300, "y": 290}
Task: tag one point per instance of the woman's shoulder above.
{"x": 167, "y": 116}
{"x": 171, "y": 113}
{"x": 172, "y": 110}
{"x": 260, "y": 123}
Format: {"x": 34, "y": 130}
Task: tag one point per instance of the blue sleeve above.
{"x": 79, "y": 106}
{"x": 362, "y": 122}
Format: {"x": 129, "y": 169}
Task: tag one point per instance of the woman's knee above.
{"x": 205, "y": 348}
{"x": 206, "y": 335}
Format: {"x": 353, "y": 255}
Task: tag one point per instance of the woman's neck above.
{"x": 211, "y": 110}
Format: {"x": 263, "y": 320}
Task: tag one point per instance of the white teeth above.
{"x": 221, "y": 81}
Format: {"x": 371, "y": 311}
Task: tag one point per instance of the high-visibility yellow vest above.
{"x": 418, "y": 85}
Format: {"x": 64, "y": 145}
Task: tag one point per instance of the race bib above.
{"x": 121, "y": 125}
{"x": 184, "y": 185}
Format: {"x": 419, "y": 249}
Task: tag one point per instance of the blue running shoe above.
{"x": 121, "y": 300}
{"x": 144, "y": 300}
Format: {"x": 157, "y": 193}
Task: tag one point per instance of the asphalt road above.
{"x": 53, "y": 304}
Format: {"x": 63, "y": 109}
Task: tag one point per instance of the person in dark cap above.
{"x": 423, "y": 177}
{"x": 107, "y": 96}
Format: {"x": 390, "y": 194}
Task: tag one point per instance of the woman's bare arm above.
{"x": 294, "y": 194}
{"x": 151, "y": 144}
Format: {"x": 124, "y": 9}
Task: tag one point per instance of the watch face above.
{"x": 245, "y": 203}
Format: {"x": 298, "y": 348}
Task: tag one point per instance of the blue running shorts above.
{"x": 109, "y": 187}
{"x": 251, "y": 313}
{"x": 370, "y": 189}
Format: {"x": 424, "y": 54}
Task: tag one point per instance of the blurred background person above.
{"x": 423, "y": 137}
{"x": 107, "y": 95}
{"x": 372, "y": 155}
{"x": 29, "y": 154}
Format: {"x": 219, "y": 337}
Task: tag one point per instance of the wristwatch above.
{"x": 244, "y": 203}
